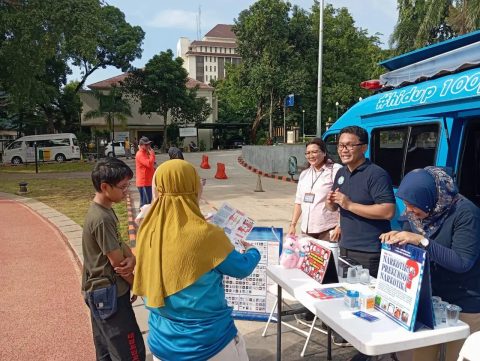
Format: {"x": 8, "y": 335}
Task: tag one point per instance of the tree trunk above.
{"x": 256, "y": 123}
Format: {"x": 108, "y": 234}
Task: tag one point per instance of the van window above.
{"x": 469, "y": 168}
{"x": 331, "y": 142}
{"x": 60, "y": 142}
{"x": 388, "y": 149}
{"x": 422, "y": 147}
{"x": 401, "y": 149}
{"x": 15, "y": 145}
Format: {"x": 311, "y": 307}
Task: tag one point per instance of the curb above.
{"x": 264, "y": 174}
{"x": 132, "y": 226}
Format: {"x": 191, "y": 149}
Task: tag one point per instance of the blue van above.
{"x": 426, "y": 111}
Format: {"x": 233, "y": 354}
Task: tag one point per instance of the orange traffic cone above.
{"x": 221, "y": 171}
{"x": 205, "y": 164}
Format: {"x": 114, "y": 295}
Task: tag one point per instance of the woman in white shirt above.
{"x": 313, "y": 186}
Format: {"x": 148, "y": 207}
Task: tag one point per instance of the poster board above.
{"x": 403, "y": 290}
{"x": 318, "y": 263}
{"x": 249, "y": 297}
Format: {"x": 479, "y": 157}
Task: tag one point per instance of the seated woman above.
{"x": 448, "y": 226}
{"x": 181, "y": 261}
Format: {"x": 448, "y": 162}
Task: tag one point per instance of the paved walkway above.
{"x": 68, "y": 324}
{"x": 42, "y": 314}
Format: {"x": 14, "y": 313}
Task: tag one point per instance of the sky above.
{"x": 164, "y": 22}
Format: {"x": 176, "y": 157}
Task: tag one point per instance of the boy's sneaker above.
{"x": 339, "y": 340}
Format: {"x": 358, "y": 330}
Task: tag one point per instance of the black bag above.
{"x": 103, "y": 301}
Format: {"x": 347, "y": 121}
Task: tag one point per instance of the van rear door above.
{"x": 468, "y": 178}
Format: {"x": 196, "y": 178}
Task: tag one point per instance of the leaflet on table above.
{"x": 316, "y": 261}
{"x": 328, "y": 293}
{"x": 398, "y": 283}
{"x": 235, "y": 223}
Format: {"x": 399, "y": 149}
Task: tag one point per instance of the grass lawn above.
{"x": 47, "y": 167}
{"x": 67, "y": 192}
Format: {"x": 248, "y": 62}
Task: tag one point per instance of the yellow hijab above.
{"x": 175, "y": 245}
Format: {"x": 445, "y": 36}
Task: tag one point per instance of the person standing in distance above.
{"x": 126, "y": 145}
{"x": 363, "y": 192}
{"x": 144, "y": 170}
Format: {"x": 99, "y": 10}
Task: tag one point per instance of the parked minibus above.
{"x": 58, "y": 147}
{"x": 426, "y": 111}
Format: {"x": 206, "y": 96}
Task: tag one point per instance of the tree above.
{"x": 115, "y": 43}
{"x": 111, "y": 106}
{"x": 279, "y": 49}
{"x": 161, "y": 87}
{"x": 262, "y": 37}
{"x": 39, "y": 39}
{"x": 425, "y": 22}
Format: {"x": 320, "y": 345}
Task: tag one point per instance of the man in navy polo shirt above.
{"x": 364, "y": 193}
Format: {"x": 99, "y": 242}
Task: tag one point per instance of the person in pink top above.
{"x": 145, "y": 167}
{"x": 313, "y": 186}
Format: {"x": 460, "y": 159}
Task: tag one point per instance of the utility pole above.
{"x": 319, "y": 82}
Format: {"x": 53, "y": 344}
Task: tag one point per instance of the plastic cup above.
{"x": 440, "y": 312}
{"x": 352, "y": 275}
{"x": 364, "y": 276}
{"x": 453, "y": 312}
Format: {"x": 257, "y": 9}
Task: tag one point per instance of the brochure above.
{"x": 328, "y": 293}
{"x": 235, "y": 223}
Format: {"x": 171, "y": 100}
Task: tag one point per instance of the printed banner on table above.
{"x": 399, "y": 282}
{"x": 235, "y": 223}
{"x": 249, "y": 297}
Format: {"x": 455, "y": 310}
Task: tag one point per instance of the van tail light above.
{"x": 373, "y": 84}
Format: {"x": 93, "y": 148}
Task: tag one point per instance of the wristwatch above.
{"x": 424, "y": 242}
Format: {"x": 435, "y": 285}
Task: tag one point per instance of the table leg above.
{"x": 443, "y": 352}
{"x": 279, "y": 323}
{"x": 329, "y": 344}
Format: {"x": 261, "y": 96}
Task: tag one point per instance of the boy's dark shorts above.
{"x": 118, "y": 337}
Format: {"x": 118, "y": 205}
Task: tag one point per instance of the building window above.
{"x": 206, "y": 78}
{"x": 210, "y": 49}
{"x": 206, "y": 68}
{"x": 215, "y": 77}
{"x": 214, "y": 59}
{"x": 214, "y": 68}
{"x": 210, "y": 68}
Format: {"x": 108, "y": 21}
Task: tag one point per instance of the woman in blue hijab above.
{"x": 447, "y": 225}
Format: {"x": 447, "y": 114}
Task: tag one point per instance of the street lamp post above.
{"x": 303, "y": 124}
{"x": 336, "y": 105}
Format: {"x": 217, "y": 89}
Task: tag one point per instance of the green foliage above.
{"x": 111, "y": 106}
{"x": 279, "y": 48}
{"x": 424, "y": 22}
{"x": 40, "y": 40}
{"x": 161, "y": 87}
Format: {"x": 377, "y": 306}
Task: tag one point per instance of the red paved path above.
{"x": 42, "y": 314}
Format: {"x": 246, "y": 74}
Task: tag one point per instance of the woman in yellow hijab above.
{"x": 181, "y": 260}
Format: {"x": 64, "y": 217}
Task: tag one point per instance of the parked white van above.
{"x": 58, "y": 147}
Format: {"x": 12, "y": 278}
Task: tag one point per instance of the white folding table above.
{"x": 371, "y": 338}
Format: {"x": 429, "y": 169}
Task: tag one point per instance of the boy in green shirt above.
{"x": 108, "y": 266}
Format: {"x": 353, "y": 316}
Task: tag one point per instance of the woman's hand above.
{"x": 335, "y": 234}
{"x": 247, "y": 245}
{"x": 292, "y": 230}
{"x": 401, "y": 238}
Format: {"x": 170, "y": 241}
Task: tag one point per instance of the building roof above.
{"x": 221, "y": 31}
{"x": 108, "y": 83}
{"x": 214, "y": 43}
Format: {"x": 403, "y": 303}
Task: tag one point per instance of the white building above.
{"x": 205, "y": 59}
{"x": 152, "y": 126}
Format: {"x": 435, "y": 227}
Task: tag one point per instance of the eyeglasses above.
{"x": 313, "y": 152}
{"x": 123, "y": 188}
{"x": 348, "y": 147}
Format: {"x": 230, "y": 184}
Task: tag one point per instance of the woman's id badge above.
{"x": 308, "y": 197}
